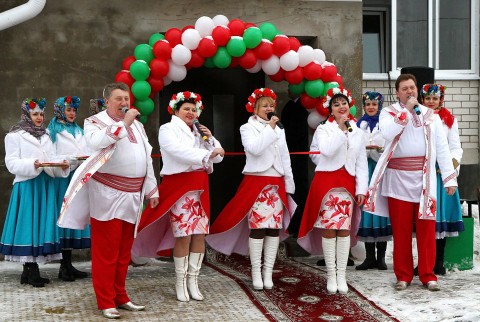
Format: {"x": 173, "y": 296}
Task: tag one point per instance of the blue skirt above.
{"x": 374, "y": 228}
{"x": 70, "y": 238}
{"x": 449, "y": 212}
{"x": 30, "y": 228}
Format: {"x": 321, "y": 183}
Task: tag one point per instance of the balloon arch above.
{"x": 223, "y": 43}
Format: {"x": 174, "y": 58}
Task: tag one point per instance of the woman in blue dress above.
{"x": 30, "y": 234}
{"x": 374, "y": 230}
{"x": 69, "y": 143}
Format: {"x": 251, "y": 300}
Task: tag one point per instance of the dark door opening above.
{"x": 224, "y": 94}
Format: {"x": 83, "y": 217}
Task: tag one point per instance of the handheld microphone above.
{"x": 416, "y": 108}
{"x": 349, "y": 127}
{"x": 270, "y": 115}
{"x": 125, "y": 109}
{"x": 197, "y": 125}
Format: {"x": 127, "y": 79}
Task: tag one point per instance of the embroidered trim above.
{"x": 407, "y": 164}
{"x": 151, "y": 193}
{"x": 125, "y": 184}
{"x": 450, "y": 177}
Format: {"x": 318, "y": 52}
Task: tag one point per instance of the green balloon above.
{"x": 143, "y": 119}
{"x": 236, "y": 47}
{"x": 145, "y": 106}
{"x": 141, "y": 89}
{"x": 297, "y": 89}
{"x": 269, "y": 31}
{"x": 353, "y": 110}
{"x": 328, "y": 86}
{"x": 144, "y": 52}
{"x": 155, "y": 37}
{"x": 139, "y": 70}
{"x": 222, "y": 58}
{"x": 252, "y": 37}
{"x": 314, "y": 88}
{"x": 209, "y": 63}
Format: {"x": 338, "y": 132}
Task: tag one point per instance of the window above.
{"x": 375, "y": 47}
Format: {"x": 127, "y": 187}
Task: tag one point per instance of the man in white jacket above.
{"x": 403, "y": 184}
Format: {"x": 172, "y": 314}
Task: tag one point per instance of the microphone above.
{"x": 197, "y": 125}
{"x": 270, "y": 115}
{"x": 125, "y": 109}
{"x": 416, "y": 108}
{"x": 349, "y": 127}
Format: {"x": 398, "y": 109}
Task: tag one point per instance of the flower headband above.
{"x": 259, "y": 92}
{"x": 332, "y": 92}
{"x": 185, "y": 96}
{"x": 97, "y": 105}
{"x": 32, "y": 105}
{"x": 373, "y": 96}
{"x": 433, "y": 89}
{"x": 67, "y": 101}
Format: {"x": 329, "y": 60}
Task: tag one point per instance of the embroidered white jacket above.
{"x": 372, "y": 138}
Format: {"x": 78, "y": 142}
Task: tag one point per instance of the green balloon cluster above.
{"x": 252, "y": 37}
{"x": 269, "y": 31}
{"x": 297, "y": 89}
{"x": 141, "y": 89}
{"x": 236, "y": 47}
{"x": 328, "y": 86}
{"x": 155, "y": 37}
{"x": 315, "y": 88}
{"x": 145, "y": 106}
{"x": 139, "y": 70}
{"x": 222, "y": 58}
{"x": 143, "y": 119}
{"x": 144, "y": 52}
{"x": 209, "y": 63}
{"x": 353, "y": 110}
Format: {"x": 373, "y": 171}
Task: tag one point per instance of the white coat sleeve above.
{"x": 257, "y": 144}
{"x": 13, "y": 159}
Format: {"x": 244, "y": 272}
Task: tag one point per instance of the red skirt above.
{"x": 229, "y": 233}
{"x": 154, "y": 231}
{"x": 322, "y": 183}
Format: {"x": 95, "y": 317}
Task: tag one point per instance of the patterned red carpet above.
{"x": 299, "y": 293}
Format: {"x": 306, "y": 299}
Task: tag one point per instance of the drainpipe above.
{"x": 21, "y": 13}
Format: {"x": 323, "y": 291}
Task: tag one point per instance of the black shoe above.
{"x": 368, "y": 263}
{"x": 33, "y": 276}
{"x": 381, "y": 265}
{"x": 64, "y": 272}
{"x": 77, "y": 273}
{"x": 321, "y": 262}
{"x": 415, "y": 271}
{"x": 350, "y": 262}
{"x": 439, "y": 269}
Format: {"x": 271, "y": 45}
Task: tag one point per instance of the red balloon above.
{"x": 162, "y": 49}
{"x": 294, "y": 76}
{"x": 127, "y": 62}
{"x": 124, "y": 76}
{"x": 309, "y": 102}
{"x": 237, "y": 27}
{"x": 159, "y": 68}
{"x": 234, "y": 62}
{"x": 339, "y": 80}
{"x": 248, "y": 59}
{"x": 329, "y": 73}
{"x": 156, "y": 84}
{"x": 187, "y": 27}
{"x": 221, "y": 35}
{"x": 196, "y": 61}
{"x": 249, "y": 24}
{"x": 313, "y": 71}
{"x": 322, "y": 110}
{"x": 294, "y": 43}
{"x": 264, "y": 50}
{"x": 207, "y": 47}
{"x": 281, "y": 45}
{"x": 174, "y": 36}
{"x": 279, "y": 76}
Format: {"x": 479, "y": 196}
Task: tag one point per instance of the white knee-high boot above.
{"x": 194, "y": 264}
{"x": 328, "y": 246}
{"x": 181, "y": 267}
{"x": 343, "y": 247}
{"x": 270, "y": 247}
{"x": 255, "y": 247}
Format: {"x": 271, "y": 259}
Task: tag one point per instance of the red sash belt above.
{"x": 125, "y": 184}
{"x": 407, "y": 164}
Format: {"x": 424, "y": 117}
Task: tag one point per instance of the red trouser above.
{"x": 402, "y": 216}
{"x": 111, "y": 245}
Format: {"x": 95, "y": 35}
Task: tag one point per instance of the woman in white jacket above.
{"x": 69, "y": 143}
{"x": 30, "y": 234}
{"x": 449, "y": 212}
{"x": 182, "y": 218}
{"x": 337, "y": 190}
{"x": 258, "y": 215}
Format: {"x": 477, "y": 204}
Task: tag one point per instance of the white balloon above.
{"x": 319, "y": 56}
{"x": 271, "y": 66}
{"x": 191, "y": 38}
{"x": 305, "y": 55}
{"x": 166, "y": 81}
{"x": 181, "y": 54}
{"x": 176, "y": 72}
{"x": 256, "y": 68}
{"x": 314, "y": 119}
{"x": 220, "y": 20}
{"x": 204, "y": 25}
{"x": 289, "y": 61}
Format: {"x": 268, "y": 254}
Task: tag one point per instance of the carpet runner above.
{"x": 299, "y": 293}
